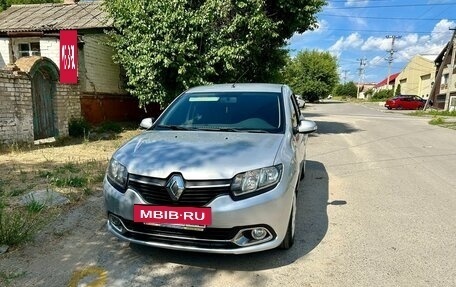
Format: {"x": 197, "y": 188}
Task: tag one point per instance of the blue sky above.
{"x": 357, "y": 29}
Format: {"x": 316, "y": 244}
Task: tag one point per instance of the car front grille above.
{"x": 209, "y": 238}
{"x": 196, "y": 193}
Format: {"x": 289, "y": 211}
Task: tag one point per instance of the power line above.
{"x": 385, "y": 31}
{"x": 390, "y": 6}
{"x": 391, "y": 55}
{"x": 345, "y": 75}
{"x": 362, "y": 64}
{"x": 383, "y": 18}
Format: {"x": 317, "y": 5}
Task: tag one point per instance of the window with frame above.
{"x": 29, "y": 49}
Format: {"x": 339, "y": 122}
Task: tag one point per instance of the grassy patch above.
{"x": 19, "y": 225}
{"x": 34, "y": 206}
{"x": 435, "y": 113}
{"x": 7, "y": 277}
{"x": 437, "y": 121}
{"x": 73, "y": 167}
{"x": 69, "y": 181}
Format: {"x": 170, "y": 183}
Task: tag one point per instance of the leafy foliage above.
{"x": 382, "y": 95}
{"x": 78, "y": 127}
{"x": 398, "y": 90}
{"x": 313, "y": 74}
{"x": 369, "y": 92}
{"x": 168, "y": 46}
{"x": 346, "y": 90}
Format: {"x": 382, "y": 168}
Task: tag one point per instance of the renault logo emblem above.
{"x": 175, "y": 186}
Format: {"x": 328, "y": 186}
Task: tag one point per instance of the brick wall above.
{"x": 16, "y": 115}
{"x": 97, "y": 71}
{"x": 66, "y": 106}
{"x": 16, "y": 107}
{"x": 49, "y": 47}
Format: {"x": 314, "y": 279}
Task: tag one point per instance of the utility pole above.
{"x": 362, "y": 64}
{"x": 390, "y": 58}
{"x": 345, "y": 75}
{"x": 450, "y": 70}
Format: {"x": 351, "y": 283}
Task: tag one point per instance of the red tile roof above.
{"x": 391, "y": 79}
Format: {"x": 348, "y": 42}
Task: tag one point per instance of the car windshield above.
{"x": 230, "y": 111}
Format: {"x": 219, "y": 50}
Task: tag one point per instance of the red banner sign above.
{"x": 68, "y": 56}
{"x": 172, "y": 214}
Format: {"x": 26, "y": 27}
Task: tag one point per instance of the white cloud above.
{"x": 356, "y": 3}
{"x": 300, "y": 37}
{"x": 375, "y": 61}
{"x": 352, "y": 41}
{"x": 376, "y": 43}
{"x": 412, "y": 45}
{"x": 441, "y": 31}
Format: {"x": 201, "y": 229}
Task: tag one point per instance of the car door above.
{"x": 406, "y": 103}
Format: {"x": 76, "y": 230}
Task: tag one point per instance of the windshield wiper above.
{"x": 256, "y": 131}
{"x": 174, "y": 127}
{"x": 233, "y": 130}
{"x": 218, "y": 129}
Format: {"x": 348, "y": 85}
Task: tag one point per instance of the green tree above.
{"x": 346, "y": 90}
{"x": 168, "y": 46}
{"x": 313, "y": 74}
{"x": 369, "y": 92}
{"x": 398, "y": 90}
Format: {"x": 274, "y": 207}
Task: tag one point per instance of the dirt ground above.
{"x": 71, "y": 167}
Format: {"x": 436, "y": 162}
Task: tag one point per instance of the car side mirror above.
{"x": 307, "y": 127}
{"x": 146, "y": 123}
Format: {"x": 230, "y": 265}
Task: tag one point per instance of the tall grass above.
{"x": 18, "y": 225}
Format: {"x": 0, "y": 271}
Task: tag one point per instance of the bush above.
{"x": 346, "y": 90}
{"x": 382, "y": 95}
{"x": 110, "y": 127}
{"x": 78, "y": 127}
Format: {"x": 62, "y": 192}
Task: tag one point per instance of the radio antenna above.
{"x": 240, "y": 77}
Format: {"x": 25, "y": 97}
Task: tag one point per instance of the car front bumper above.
{"x": 231, "y": 222}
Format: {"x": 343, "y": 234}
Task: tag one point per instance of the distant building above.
{"x": 385, "y": 84}
{"x": 417, "y": 77}
{"x": 442, "y": 85}
{"x": 363, "y": 88}
{"x": 32, "y": 30}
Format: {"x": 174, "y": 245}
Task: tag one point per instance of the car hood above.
{"x": 198, "y": 155}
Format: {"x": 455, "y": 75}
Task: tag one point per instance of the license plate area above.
{"x": 181, "y": 217}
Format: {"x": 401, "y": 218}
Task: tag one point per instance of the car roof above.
{"x": 238, "y": 87}
{"x": 405, "y": 96}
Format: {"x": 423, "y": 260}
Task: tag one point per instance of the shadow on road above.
{"x": 312, "y": 225}
{"x": 334, "y": 128}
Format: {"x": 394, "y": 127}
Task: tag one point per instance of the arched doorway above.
{"x": 44, "y": 76}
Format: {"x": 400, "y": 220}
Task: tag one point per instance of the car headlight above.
{"x": 117, "y": 174}
{"x": 255, "y": 181}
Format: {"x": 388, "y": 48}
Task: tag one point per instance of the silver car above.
{"x": 217, "y": 172}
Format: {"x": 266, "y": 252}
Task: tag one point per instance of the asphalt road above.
{"x": 377, "y": 208}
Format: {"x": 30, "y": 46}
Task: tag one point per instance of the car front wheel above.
{"x": 289, "y": 237}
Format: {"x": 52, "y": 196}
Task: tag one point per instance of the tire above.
{"x": 303, "y": 172}
{"x": 389, "y": 108}
{"x": 290, "y": 236}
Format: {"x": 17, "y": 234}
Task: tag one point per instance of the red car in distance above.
{"x": 405, "y": 102}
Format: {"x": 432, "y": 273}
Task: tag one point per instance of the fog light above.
{"x": 259, "y": 233}
{"x": 116, "y": 223}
